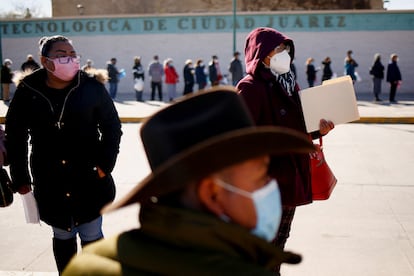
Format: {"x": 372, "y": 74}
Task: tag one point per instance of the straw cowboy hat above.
{"x": 200, "y": 135}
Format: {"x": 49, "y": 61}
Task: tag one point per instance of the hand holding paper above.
{"x": 334, "y": 100}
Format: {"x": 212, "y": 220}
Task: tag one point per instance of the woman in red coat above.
{"x": 271, "y": 93}
{"x": 171, "y": 78}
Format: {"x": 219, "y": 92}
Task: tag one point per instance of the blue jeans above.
{"x": 90, "y": 231}
{"x": 113, "y": 88}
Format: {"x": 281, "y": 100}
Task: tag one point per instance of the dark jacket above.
{"x": 174, "y": 241}
{"x": 6, "y": 74}
{"x": 66, "y": 147}
{"x": 311, "y": 72}
{"x": 393, "y": 72}
{"x": 327, "y": 71}
{"x": 188, "y": 73}
{"x": 113, "y": 73}
{"x": 30, "y": 65}
{"x": 377, "y": 70}
{"x": 200, "y": 75}
{"x": 189, "y": 79}
{"x": 236, "y": 70}
{"x": 270, "y": 104}
{"x": 138, "y": 71}
{"x": 213, "y": 73}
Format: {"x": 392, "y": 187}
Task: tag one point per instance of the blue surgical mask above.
{"x": 268, "y": 206}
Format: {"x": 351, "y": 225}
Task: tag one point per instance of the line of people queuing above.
{"x": 393, "y": 74}
{"x": 198, "y": 76}
{"x": 193, "y": 74}
{"x": 166, "y": 72}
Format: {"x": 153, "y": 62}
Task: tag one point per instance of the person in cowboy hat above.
{"x": 209, "y": 206}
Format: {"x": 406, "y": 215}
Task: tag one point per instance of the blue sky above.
{"x": 44, "y": 7}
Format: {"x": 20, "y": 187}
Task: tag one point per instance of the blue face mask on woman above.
{"x": 268, "y": 206}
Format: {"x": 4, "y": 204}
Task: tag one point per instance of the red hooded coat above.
{"x": 270, "y": 104}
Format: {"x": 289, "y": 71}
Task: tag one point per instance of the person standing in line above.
{"x": 236, "y": 69}
{"x": 310, "y": 72}
{"x": 188, "y": 73}
{"x": 6, "y": 79}
{"x": 30, "y": 64}
{"x": 393, "y": 76}
{"x": 139, "y": 77}
{"x": 88, "y": 67}
{"x": 350, "y": 64}
{"x": 200, "y": 72}
{"x": 156, "y": 72}
{"x": 171, "y": 79}
{"x": 377, "y": 73}
{"x": 113, "y": 75}
{"x": 209, "y": 206}
{"x": 214, "y": 71}
{"x": 74, "y": 133}
{"x": 272, "y": 95}
{"x": 327, "y": 70}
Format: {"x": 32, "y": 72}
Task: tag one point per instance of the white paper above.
{"x": 334, "y": 100}
{"x": 30, "y": 208}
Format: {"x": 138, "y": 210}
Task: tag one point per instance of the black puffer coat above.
{"x": 66, "y": 148}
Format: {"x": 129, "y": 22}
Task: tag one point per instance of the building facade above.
{"x": 194, "y": 36}
{"x": 63, "y": 8}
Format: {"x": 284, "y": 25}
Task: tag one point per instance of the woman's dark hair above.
{"x": 46, "y": 43}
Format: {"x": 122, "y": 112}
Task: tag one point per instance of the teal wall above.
{"x": 293, "y": 22}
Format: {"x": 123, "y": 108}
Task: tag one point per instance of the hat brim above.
{"x": 213, "y": 155}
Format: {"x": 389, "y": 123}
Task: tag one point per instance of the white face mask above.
{"x": 280, "y": 62}
{"x": 268, "y": 206}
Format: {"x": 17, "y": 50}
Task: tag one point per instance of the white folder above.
{"x": 334, "y": 100}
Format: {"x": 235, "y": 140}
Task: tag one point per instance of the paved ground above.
{"x": 365, "y": 228}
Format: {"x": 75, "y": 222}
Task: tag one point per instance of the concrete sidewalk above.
{"x": 365, "y": 228}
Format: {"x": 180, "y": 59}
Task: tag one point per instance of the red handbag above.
{"x": 322, "y": 179}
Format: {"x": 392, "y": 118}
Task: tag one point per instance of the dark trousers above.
{"x": 138, "y": 95}
{"x": 156, "y": 85}
{"x": 377, "y": 87}
{"x": 284, "y": 229}
{"x": 393, "y": 90}
{"x": 64, "y": 250}
{"x": 188, "y": 88}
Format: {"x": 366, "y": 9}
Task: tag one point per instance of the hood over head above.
{"x": 260, "y": 42}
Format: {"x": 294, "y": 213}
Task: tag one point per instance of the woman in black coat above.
{"x": 310, "y": 72}
{"x": 377, "y": 72}
{"x": 393, "y": 77}
{"x": 327, "y": 70}
{"x": 74, "y": 133}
